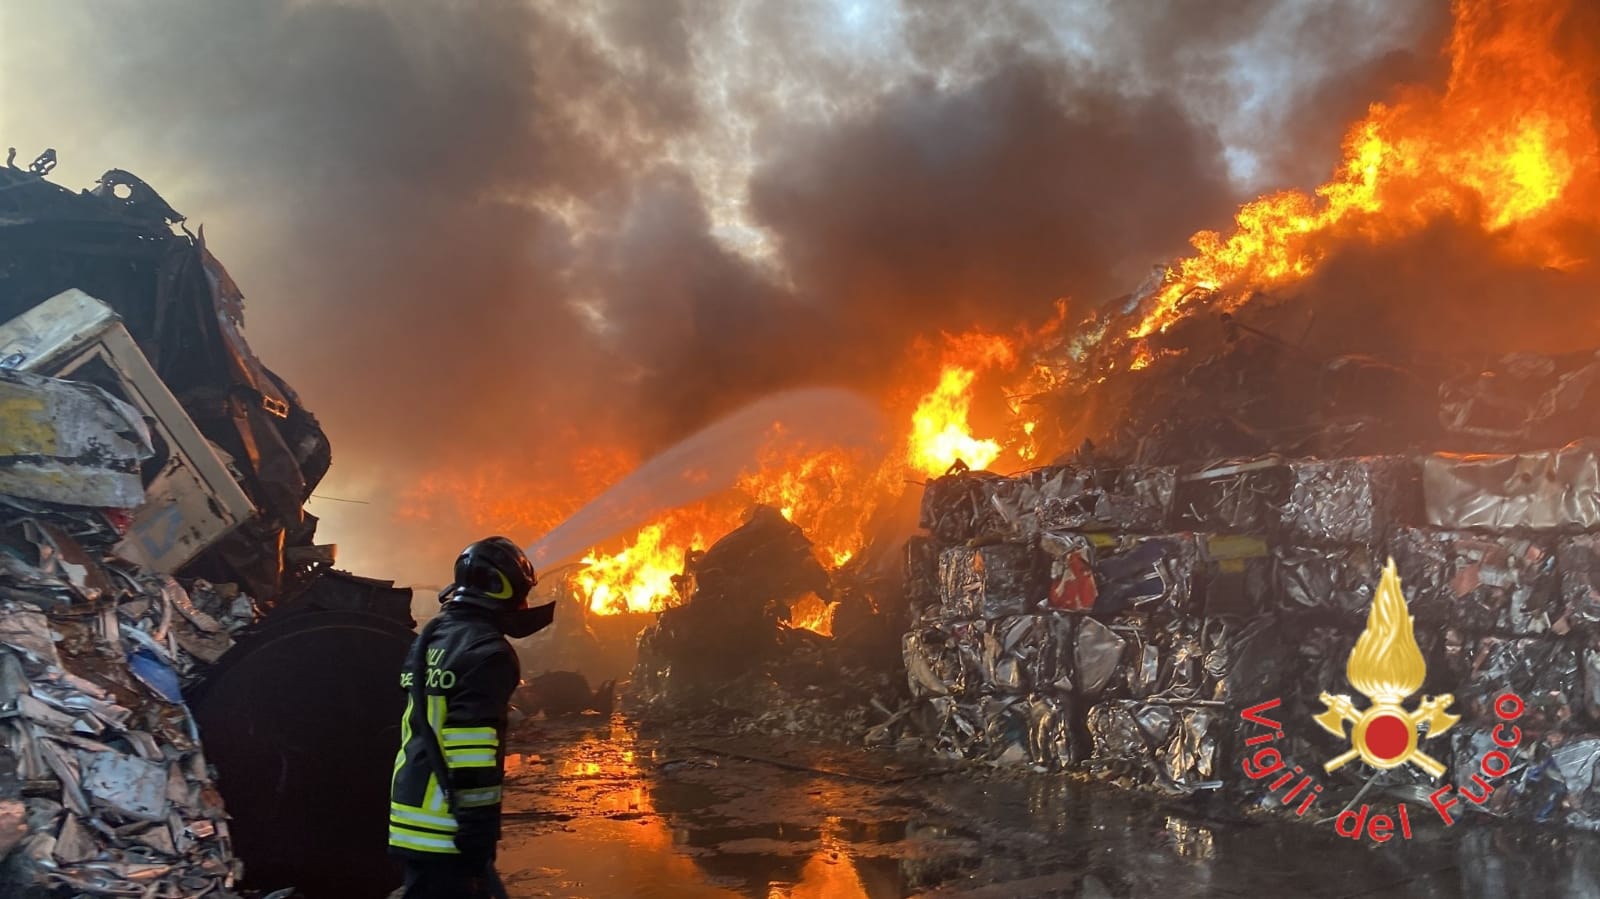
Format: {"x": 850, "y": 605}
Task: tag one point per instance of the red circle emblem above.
{"x": 1388, "y": 736}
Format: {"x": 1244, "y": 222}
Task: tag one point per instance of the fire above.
{"x": 640, "y": 578}
{"x": 812, "y": 613}
{"x": 940, "y": 434}
{"x": 1498, "y": 148}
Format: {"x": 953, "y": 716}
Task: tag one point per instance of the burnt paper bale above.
{"x": 1236, "y": 574}
{"x": 1330, "y": 580}
{"x": 1550, "y": 490}
{"x": 69, "y": 443}
{"x": 1350, "y": 501}
{"x": 956, "y": 508}
{"x": 1149, "y": 575}
{"x": 988, "y": 581}
{"x": 1134, "y": 499}
{"x": 1479, "y": 583}
{"x": 1072, "y": 586}
{"x": 1233, "y": 497}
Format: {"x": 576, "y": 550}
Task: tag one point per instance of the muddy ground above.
{"x": 600, "y": 808}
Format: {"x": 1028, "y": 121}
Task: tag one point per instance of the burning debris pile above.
{"x": 768, "y": 639}
{"x": 1118, "y": 620}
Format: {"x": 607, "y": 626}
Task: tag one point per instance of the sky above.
{"x": 509, "y": 241}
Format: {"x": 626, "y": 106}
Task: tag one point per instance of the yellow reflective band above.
{"x": 458, "y": 736}
{"x": 405, "y": 814}
{"x": 479, "y": 798}
{"x": 406, "y": 838}
{"x": 470, "y": 758}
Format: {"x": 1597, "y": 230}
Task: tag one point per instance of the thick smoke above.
{"x": 489, "y": 237}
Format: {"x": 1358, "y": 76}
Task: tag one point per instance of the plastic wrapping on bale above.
{"x": 1350, "y": 501}
{"x": 1149, "y": 575}
{"x": 1125, "y": 499}
{"x": 1233, "y": 497}
{"x": 1337, "y": 580}
{"x": 988, "y": 581}
{"x": 1477, "y": 582}
{"x": 1550, "y": 490}
{"x": 1546, "y": 672}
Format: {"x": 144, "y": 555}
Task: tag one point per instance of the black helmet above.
{"x": 494, "y": 574}
{"x": 495, "y": 568}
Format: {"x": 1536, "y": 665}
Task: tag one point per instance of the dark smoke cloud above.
{"x": 477, "y": 234}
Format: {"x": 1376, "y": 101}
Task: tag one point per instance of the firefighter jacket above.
{"x": 444, "y": 799}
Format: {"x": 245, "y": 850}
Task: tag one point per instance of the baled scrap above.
{"x": 1550, "y": 490}
{"x": 1578, "y": 561}
{"x": 1480, "y": 583}
{"x": 1233, "y": 497}
{"x": 70, "y": 443}
{"x": 1097, "y": 656}
{"x": 1149, "y": 575}
{"x": 1350, "y": 501}
{"x": 1133, "y": 499}
{"x": 1337, "y": 580}
{"x": 1546, "y": 672}
{"x": 1072, "y": 586}
{"x": 989, "y": 581}
{"x": 1236, "y": 572}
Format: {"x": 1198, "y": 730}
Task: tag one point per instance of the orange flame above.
{"x": 1498, "y": 148}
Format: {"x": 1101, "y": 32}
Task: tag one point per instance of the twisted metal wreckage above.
{"x": 152, "y": 479}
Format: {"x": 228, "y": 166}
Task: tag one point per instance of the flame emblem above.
{"x": 1386, "y": 666}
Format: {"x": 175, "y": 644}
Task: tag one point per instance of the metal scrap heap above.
{"x": 1117, "y": 620}
{"x": 104, "y": 787}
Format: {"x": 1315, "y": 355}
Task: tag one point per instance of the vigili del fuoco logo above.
{"x": 1386, "y": 666}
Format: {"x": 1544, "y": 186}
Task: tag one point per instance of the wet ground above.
{"x": 596, "y": 809}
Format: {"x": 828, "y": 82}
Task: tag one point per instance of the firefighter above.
{"x": 444, "y": 800}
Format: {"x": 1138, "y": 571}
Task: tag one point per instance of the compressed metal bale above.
{"x": 1136, "y": 499}
{"x": 1245, "y": 661}
{"x": 1236, "y": 575}
{"x": 989, "y": 581}
{"x": 1350, "y": 501}
{"x": 1027, "y": 653}
{"x": 1578, "y": 562}
{"x": 1071, "y": 586}
{"x": 1533, "y": 790}
{"x": 1097, "y": 656}
{"x": 1549, "y": 490}
{"x": 1546, "y": 672}
{"x": 1149, "y": 575}
{"x": 1232, "y": 497}
{"x": 934, "y": 666}
{"x": 1050, "y": 740}
{"x": 1480, "y": 583}
{"x": 957, "y": 508}
{"x": 921, "y": 573}
{"x": 1337, "y": 580}
{"x": 1172, "y": 747}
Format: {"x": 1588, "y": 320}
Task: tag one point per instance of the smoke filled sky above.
{"x": 482, "y": 237}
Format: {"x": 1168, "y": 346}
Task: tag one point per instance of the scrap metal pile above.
{"x": 104, "y": 787}
{"x": 1116, "y": 619}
